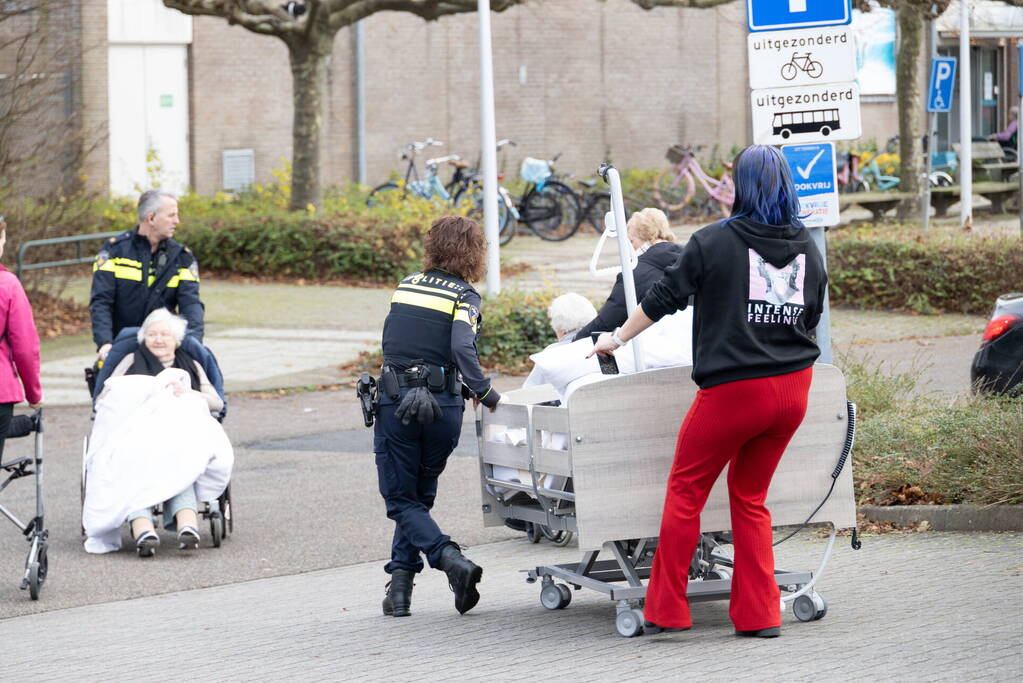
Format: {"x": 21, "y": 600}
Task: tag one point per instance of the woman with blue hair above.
{"x": 758, "y": 283}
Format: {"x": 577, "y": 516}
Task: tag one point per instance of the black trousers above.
{"x": 6, "y": 413}
{"x": 409, "y": 460}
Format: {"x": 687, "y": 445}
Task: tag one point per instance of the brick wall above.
{"x": 586, "y": 78}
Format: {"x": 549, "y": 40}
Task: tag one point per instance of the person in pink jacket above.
{"x": 19, "y": 347}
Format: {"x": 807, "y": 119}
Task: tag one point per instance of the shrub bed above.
{"x": 918, "y": 449}
{"x": 938, "y": 271}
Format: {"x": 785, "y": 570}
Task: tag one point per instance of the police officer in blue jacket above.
{"x": 430, "y": 362}
{"x": 144, "y": 269}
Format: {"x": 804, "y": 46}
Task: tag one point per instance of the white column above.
{"x": 488, "y": 147}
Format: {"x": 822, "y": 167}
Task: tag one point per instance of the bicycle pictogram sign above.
{"x": 804, "y": 63}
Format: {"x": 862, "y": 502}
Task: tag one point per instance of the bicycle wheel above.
{"x": 505, "y": 230}
{"x": 672, "y": 190}
{"x": 376, "y": 196}
{"x": 788, "y": 71}
{"x": 553, "y": 212}
{"x": 814, "y": 69}
{"x": 601, "y": 205}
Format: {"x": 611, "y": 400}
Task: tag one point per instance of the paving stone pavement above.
{"x": 929, "y": 607}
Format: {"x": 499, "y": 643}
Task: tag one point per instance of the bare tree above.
{"x": 310, "y": 41}
{"x": 43, "y": 143}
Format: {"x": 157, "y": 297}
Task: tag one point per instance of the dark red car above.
{"x": 998, "y": 366}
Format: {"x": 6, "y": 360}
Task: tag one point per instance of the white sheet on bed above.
{"x": 148, "y": 445}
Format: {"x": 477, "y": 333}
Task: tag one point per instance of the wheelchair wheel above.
{"x": 216, "y": 528}
{"x": 533, "y": 533}
{"x": 227, "y": 511}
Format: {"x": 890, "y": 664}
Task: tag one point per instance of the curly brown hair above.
{"x": 455, "y": 244}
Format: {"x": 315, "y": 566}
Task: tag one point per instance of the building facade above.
{"x": 198, "y": 103}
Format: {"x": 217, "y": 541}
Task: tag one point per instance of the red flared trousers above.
{"x": 747, "y": 425}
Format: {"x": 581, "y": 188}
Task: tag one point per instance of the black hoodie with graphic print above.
{"x": 758, "y": 292}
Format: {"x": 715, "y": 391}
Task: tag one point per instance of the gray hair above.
{"x": 177, "y": 324}
{"x": 151, "y": 201}
{"x": 569, "y": 312}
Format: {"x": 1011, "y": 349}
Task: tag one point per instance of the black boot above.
{"x": 463, "y": 575}
{"x": 398, "y": 601}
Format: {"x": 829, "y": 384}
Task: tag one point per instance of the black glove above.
{"x": 420, "y": 404}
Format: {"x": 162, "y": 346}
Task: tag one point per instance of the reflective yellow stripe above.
{"x": 173, "y": 282}
{"x": 423, "y": 301}
{"x": 185, "y": 275}
{"x": 121, "y": 261}
{"x": 431, "y": 290}
{"x": 152, "y": 278}
{"x": 108, "y": 266}
{"x": 127, "y": 273}
{"x": 463, "y": 316}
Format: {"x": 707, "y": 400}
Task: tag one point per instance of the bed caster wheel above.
{"x": 718, "y": 574}
{"x": 533, "y": 533}
{"x": 629, "y": 623}
{"x": 555, "y": 596}
{"x": 810, "y": 607}
{"x": 216, "y": 528}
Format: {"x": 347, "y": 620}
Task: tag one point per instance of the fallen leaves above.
{"x": 57, "y": 317}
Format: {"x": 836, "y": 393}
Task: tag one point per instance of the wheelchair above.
{"x": 36, "y": 564}
{"x": 220, "y": 514}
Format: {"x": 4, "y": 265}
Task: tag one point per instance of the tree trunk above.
{"x": 309, "y": 83}
{"x": 907, "y": 85}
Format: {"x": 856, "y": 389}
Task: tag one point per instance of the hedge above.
{"x": 938, "y": 271}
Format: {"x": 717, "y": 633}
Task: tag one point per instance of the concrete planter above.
{"x": 950, "y": 517}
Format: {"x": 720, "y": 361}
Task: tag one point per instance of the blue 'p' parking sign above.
{"x": 943, "y": 78}
{"x": 774, "y": 15}
{"x": 813, "y": 173}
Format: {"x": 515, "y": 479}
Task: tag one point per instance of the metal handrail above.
{"x": 74, "y": 239}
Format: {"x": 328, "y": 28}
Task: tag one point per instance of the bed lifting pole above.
{"x": 610, "y": 175}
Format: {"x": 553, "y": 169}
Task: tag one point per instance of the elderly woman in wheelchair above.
{"x": 156, "y": 439}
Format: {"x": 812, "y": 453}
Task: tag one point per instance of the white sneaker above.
{"x": 147, "y": 543}
{"x": 188, "y": 538}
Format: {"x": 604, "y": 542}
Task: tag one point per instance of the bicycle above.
{"x": 430, "y": 187}
{"x": 593, "y": 205}
{"x": 549, "y": 207}
{"x": 812, "y": 68}
{"x": 675, "y": 187}
{"x": 470, "y": 188}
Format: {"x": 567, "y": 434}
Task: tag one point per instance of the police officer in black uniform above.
{"x": 144, "y": 269}
{"x": 430, "y": 362}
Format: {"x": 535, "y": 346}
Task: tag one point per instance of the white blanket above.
{"x": 151, "y": 439}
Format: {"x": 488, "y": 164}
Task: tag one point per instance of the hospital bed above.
{"x": 620, "y": 445}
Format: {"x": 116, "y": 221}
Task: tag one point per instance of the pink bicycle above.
{"x": 676, "y": 186}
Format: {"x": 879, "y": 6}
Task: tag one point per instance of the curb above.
{"x": 950, "y": 517}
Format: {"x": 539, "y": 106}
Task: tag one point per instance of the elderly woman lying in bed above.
{"x": 154, "y": 441}
{"x": 563, "y": 367}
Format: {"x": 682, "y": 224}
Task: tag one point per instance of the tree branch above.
{"x": 259, "y": 16}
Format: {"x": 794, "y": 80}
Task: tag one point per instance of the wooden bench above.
{"x": 877, "y": 203}
{"x": 990, "y": 158}
{"x": 995, "y": 192}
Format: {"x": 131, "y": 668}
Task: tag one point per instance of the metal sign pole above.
{"x": 965, "y": 119}
{"x": 488, "y": 145}
{"x": 610, "y": 174}
{"x": 819, "y": 237}
{"x": 1019, "y": 139}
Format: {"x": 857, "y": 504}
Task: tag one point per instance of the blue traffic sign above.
{"x": 813, "y": 173}
{"x": 774, "y": 15}
{"x": 943, "y": 78}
